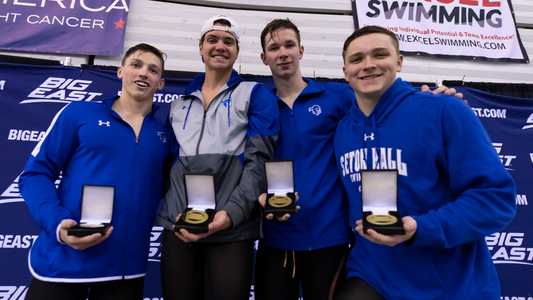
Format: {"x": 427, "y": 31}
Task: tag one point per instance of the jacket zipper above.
{"x": 201, "y": 133}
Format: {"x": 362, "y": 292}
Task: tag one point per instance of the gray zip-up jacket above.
{"x": 231, "y": 139}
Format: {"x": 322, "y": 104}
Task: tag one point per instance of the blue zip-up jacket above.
{"x": 231, "y": 139}
{"x": 306, "y": 137}
{"x": 90, "y": 144}
{"x": 451, "y": 181}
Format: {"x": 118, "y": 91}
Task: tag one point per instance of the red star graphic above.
{"x": 120, "y": 24}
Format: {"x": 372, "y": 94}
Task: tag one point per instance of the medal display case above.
{"x": 379, "y": 198}
{"x": 201, "y": 203}
{"x": 96, "y": 210}
{"x": 280, "y": 188}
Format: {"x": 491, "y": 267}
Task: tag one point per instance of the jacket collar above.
{"x": 310, "y": 89}
{"x": 198, "y": 81}
{"x": 108, "y": 102}
{"x": 386, "y": 105}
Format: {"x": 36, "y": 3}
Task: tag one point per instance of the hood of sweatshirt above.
{"x": 386, "y": 106}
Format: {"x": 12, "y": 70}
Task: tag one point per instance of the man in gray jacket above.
{"x": 226, "y": 127}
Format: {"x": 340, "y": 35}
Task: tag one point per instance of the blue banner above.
{"x": 95, "y": 27}
{"x": 509, "y": 122}
{"x": 30, "y": 96}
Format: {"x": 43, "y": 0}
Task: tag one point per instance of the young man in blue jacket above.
{"x": 309, "y": 248}
{"x": 117, "y": 142}
{"x": 452, "y": 188}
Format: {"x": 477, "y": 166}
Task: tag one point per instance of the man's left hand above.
{"x": 443, "y": 89}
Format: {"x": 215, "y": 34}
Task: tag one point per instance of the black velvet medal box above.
{"x": 379, "y": 199}
{"x": 201, "y": 203}
{"x": 96, "y": 210}
{"x": 281, "y": 199}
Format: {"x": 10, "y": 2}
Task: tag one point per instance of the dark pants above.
{"x": 131, "y": 289}
{"x": 356, "y": 288}
{"x": 197, "y": 271}
{"x": 320, "y": 272}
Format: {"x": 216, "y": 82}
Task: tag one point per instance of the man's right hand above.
{"x": 80, "y": 243}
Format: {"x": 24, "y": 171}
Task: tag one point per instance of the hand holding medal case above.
{"x": 379, "y": 198}
{"x": 96, "y": 210}
{"x": 201, "y": 203}
{"x": 280, "y": 186}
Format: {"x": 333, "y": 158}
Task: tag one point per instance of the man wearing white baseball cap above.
{"x": 227, "y": 127}
{"x": 232, "y": 27}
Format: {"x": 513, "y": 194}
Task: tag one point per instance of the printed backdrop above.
{"x": 30, "y": 96}
{"x": 93, "y": 27}
{"x": 468, "y": 29}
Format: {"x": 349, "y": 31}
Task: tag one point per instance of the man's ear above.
{"x": 344, "y": 71}
{"x": 201, "y": 49}
{"x": 161, "y": 84}
{"x": 301, "y": 52}
{"x": 400, "y": 63}
{"x": 263, "y": 58}
{"x": 119, "y": 72}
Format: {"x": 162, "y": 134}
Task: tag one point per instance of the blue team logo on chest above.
{"x": 315, "y": 109}
{"x": 162, "y": 136}
{"x": 226, "y": 103}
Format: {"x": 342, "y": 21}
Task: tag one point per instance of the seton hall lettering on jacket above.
{"x": 382, "y": 158}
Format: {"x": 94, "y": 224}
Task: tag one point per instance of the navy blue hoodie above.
{"x": 451, "y": 182}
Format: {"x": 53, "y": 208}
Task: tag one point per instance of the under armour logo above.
{"x": 315, "y": 109}
{"x": 162, "y": 136}
{"x": 371, "y": 137}
{"x": 184, "y": 107}
{"x": 100, "y": 123}
{"x": 226, "y": 102}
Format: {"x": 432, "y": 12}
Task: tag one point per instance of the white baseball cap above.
{"x": 209, "y": 25}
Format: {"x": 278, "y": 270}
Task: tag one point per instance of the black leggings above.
{"x": 356, "y": 288}
{"x": 197, "y": 271}
{"x": 130, "y": 289}
{"x": 320, "y": 272}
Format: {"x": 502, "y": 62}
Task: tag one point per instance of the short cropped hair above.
{"x": 369, "y": 30}
{"x": 146, "y": 48}
{"x": 278, "y": 24}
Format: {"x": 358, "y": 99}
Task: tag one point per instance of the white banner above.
{"x": 469, "y": 29}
